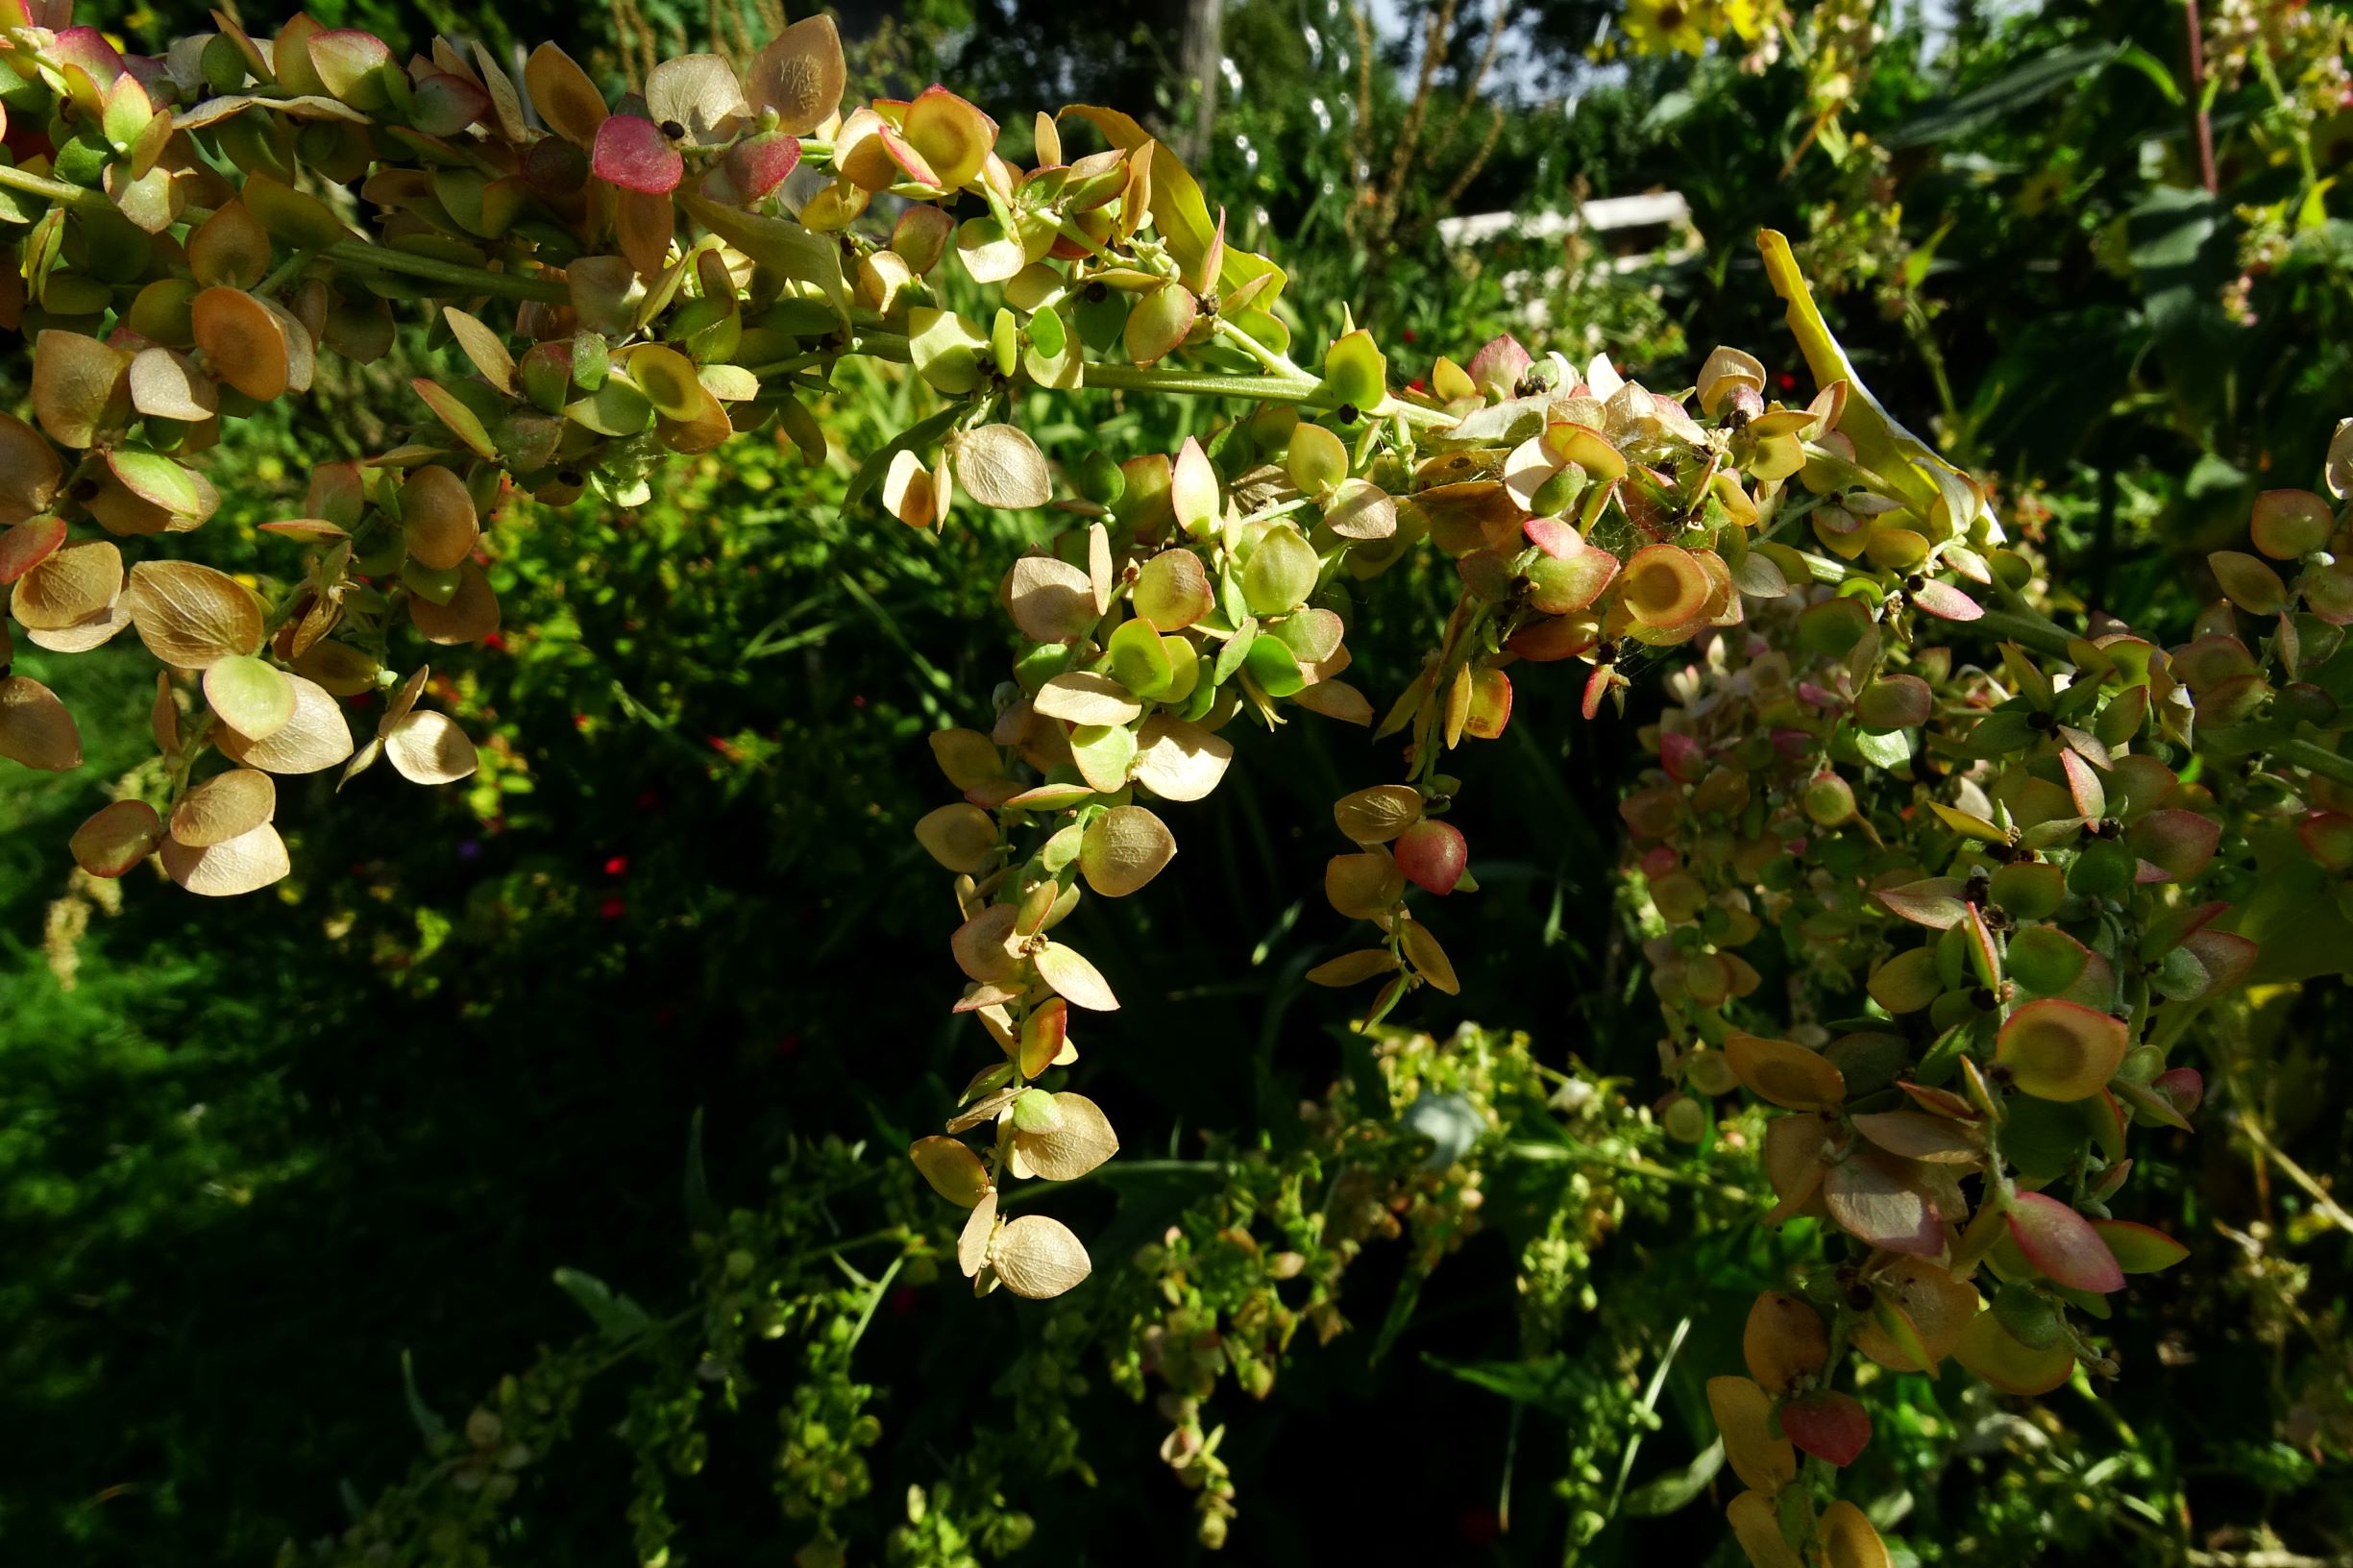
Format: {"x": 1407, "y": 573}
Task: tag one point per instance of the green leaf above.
{"x": 922, "y": 434}
{"x": 1664, "y": 1494}
{"x": 2155, "y": 69}
{"x": 1892, "y": 749}
{"x": 462, "y": 421}
{"x": 2004, "y": 96}
{"x": 1400, "y": 1314}
{"x": 799, "y": 253}
{"x": 1883, "y": 446}
{"x": 1549, "y": 1383}
{"x": 615, "y": 1316}
{"x": 701, "y": 1211}
{"x": 430, "y": 1426}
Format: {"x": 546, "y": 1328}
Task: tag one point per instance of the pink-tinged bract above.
{"x": 1433, "y": 854}
{"x": 1830, "y": 1426}
{"x": 2062, "y": 1244}
{"x": 631, "y": 152}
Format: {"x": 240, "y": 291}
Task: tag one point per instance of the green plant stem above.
{"x": 2315, "y": 758}
{"x": 1218, "y": 385}
{"x": 358, "y": 253}
{"x": 1277, "y": 364}
{"x": 2323, "y": 1204}
{"x": 54, "y": 190}
{"x": 1269, "y": 387}
{"x": 284, "y": 273}
{"x": 2041, "y": 635}
{"x": 1650, "y": 1403}
{"x": 882, "y": 1289}
{"x": 349, "y": 253}
{"x": 2004, "y": 625}
{"x": 1585, "y": 1154}
{"x": 2279, "y": 100}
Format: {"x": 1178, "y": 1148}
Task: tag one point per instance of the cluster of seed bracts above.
{"x": 189, "y": 235}
{"x": 2011, "y": 863}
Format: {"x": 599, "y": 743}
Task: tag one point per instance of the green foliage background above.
{"x": 257, "y": 1159}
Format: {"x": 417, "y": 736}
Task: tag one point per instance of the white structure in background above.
{"x": 1624, "y": 234}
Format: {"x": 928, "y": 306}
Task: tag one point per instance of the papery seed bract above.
{"x": 469, "y": 615}
{"x": 1178, "y": 760}
{"x": 439, "y": 518}
{"x": 1756, "y": 1525}
{"x": 1039, "y": 1257}
{"x": 191, "y": 616}
{"x": 117, "y": 838}
{"x": 2288, "y": 524}
{"x": 952, "y": 135}
{"x": 1744, "y": 1416}
{"x": 79, "y": 386}
{"x": 1354, "y": 969}
{"x": 1884, "y": 1202}
{"x": 979, "y": 1232}
{"x": 245, "y": 864}
{"x": 1361, "y": 510}
{"x": 1378, "y": 814}
{"x": 1074, "y": 979}
{"x": 1433, "y": 854}
{"x": 1784, "y": 1341}
{"x": 2062, "y": 1243}
{"x": 1429, "y": 959}
{"x": 316, "y": 738}
{"x": 1281, "y": 571}
{"x": 1084, "y": 697}
{"x": 1172, "y": 591}
{"x": 1159, "y": 323}
{"x": 1662, "y": 586}
{"x": 1727, "y": 372}
{"x": 1363, "y": 886}
{"x": 957, "y": 836}
{"x": 223, "y": 808}
{"x": 800, "y": 75}
{"x": 1829, "y": 1426}
{"x": 1080, "y": 1138}
{"x": 953, "y": 1170}
{"x": 999, "y": 465}
{"x": 1988, "y": 1350}
{"x": 425, "y": 747}
{"x": 1051, "y": 600}
{"x": 1935, "y": 1308}
{"x": 1895, "y": 702}
{"x": 1044, "y": 1040}
{"x": 2061, "y": 1050}
{"x": 251, "y": 698}
{"x": 1849, "y": 1540}
{"x": 35, "y": 727}
{"x": 1124, "y": 849}
{"x": 68, "y": 586}
{"x": 1785, "y": 1073}
{"x": 245, "y": 342}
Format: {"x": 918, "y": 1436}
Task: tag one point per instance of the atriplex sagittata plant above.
{"x": 2036, "y": 852}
